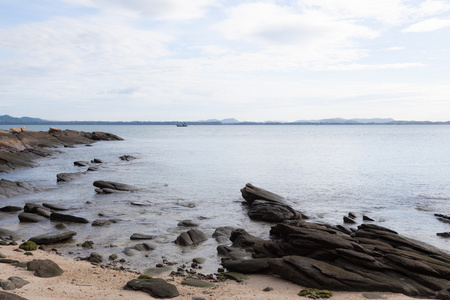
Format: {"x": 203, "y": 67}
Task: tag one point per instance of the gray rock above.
{"x": 156, "y": 287}
{"x": 9, "y": 296}
{"x": 53, "y": 237}
{"x": 32, "y": 218}
{"x": 10, "y": 209}
{"x": 65, "y": 177}
{"x": 100, "y": 222}
{"x": 55, "y": 206}
{"x": 187, "y": 223}
{"x": 191, "y": 237}
{"x": 222, "y": 234}
{"x": 7, "y": 285}
{"x": 144, "y": 247}
{"x": 80, "y": 163}
{"x": 127, "y": 157}
{"x": 18, "y": 282}
{"x": 114, "y": 186}
{"x": 44, "y": 268}
{"x": 141, "y": 236}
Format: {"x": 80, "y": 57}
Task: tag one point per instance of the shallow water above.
{"x": 398, "y": 175}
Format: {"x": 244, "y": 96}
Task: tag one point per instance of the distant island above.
{"x": 9, "y": 120}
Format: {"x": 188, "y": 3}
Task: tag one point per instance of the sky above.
{"x": 177, "y": 60}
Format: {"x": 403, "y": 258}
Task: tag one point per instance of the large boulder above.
{"x": 191, "y": 237}
{"x": 44, "y": 268}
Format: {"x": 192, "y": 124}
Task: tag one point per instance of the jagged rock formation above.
{"x": 372, "y": 258}
{"x": 20, "y": 147}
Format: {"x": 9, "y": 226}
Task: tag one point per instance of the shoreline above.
{"x": 82, "y": 280}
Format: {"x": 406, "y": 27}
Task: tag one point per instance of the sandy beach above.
{"x": 82, "y": 280}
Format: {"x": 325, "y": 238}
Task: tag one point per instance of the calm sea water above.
{"x": 398, "y": 175}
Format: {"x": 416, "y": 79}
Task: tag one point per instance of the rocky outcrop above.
{"x": 267, "y": 206}
{"x": 370, "y": 258}
{"x": 10, "y": 188}
{"x": 20, "y": 147}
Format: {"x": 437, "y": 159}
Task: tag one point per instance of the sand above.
{"x": 82, "y": 280}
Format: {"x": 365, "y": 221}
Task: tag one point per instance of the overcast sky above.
{"x": 153, "y": 60}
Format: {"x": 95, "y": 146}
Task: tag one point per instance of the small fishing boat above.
{"x": 182, "y": 125}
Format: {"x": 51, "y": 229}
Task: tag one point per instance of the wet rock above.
{"x": 53, "y": 237}
{"x": 32, "y": 218}
{"x": 111, "y": 187}
{"x": 443, "y": 234}
{"x": 44, "y": 268}
{"x": 92, "y": 169}
{"x": 10, "y": 209}
{"x": 55, "y": 207}
{"x": 191, "y": 237}
{"x": 81, "y": 163}
{"x": 144, "y": 247}
{"x": 141, "y": 236}
{"x": 67, "y": 218}
{"x": 366, "y": 218}
{"x": 443, "y": 218}
{"x": 352, "y": 215}
{"x": 348, "y": 220}
{"x": 222, "y": 234}
{"x": 267, "y": 206}
{"x": 127, "y": 157}
{"x": 65, "y": 177}
{"x": 156, "y": 287}
{"x": 10, "y": 188}
{"x": 100, "y": 222}
{"x": 94, "y": 257}
{"x": 87, "y": 244}
{"x": 187, "y": 223}
{"x": 97, "y": 161}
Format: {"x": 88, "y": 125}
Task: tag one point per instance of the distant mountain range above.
{"x": 8, "y": 120}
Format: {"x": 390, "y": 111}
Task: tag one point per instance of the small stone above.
{"x": 113, "y": 257}
{"x": 87, "y": 244}
{"x": 268, "y": 289}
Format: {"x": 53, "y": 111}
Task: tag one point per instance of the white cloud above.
{"x": 432, "y": 24}
{"x": 156, "y": 9}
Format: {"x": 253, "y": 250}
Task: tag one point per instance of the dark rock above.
{"x": 127, "y": 157}
{"x": 268, "y": 289}
{"x": 29, "y": 217}
{"x": 67, "y": 218}
{"x": 366, "y": 218}
{"x": 352, "y": 215}
{"x": 239, "y": 277}
{"x": 10, "y": 209}
{"x": 94, "y": 257}
{"x": 156, "y": 287}
{"x": 144, "y": 247}
{"x": 87, "y": 244}
{"x": 251, "y": 193}
{"x": 93, "y": 169}
{"x": 54, "y": 206}
{"x": 81, "y": 163}
{"x": 443, "y": 234}
{"x": 8, "y": 261}
{"x": 443, "y": 218}
{"x": 443, "y": 294}
{"x": 187, "y": 223}
{"x": 349, "y": 220}
{"x": 191, "y": 237}
{"x": 100, "y": 222}
{"x": 28, "y": 246}
{"x": 140, "y": 236}
{"x": 222, "y": 234}
{"x": 111, "y": 187}
{"x": 44, "y": 268}
{"x": 53, "y": 237}
{"x": 246, "y": 266}
{"x": 97, "y": 161}
{"x": 65, "y": 177}
{"x": 9, "y": 296}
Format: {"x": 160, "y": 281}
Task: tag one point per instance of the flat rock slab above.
{"x": 10, "y": 208}
{"x": 32, "y": 218}
{"x": 115, "y": 186}
{"x": 198, "y": 283}
{"x": 67, "y": 218}
{"x": 156, "y": 287}
{"x": 53, "y": 237}
{"x": 55, "y": 206}
{"x": 141, "y": 236}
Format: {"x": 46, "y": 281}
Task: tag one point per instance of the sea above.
{"x": 399, "y": 175}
